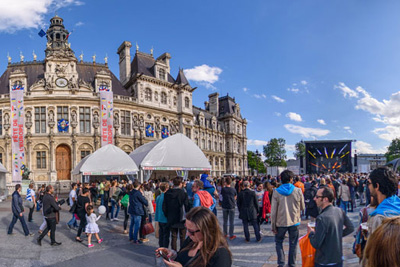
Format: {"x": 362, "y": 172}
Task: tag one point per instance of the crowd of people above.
{"x": 186, "y": 210}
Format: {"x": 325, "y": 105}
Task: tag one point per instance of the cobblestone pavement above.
{"x": 18, "y": 250}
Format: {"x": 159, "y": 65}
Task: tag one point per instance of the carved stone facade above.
{"x": 63, "y": 90}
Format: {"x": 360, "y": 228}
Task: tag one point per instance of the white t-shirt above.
{"x": 30, "y": 193}
{"x": 72, "y": 194}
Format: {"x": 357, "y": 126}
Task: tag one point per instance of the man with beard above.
{"x": 50, "y": 207}
{"x": 382, "y": 184}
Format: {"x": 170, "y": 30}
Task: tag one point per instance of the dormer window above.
{"x": 187, "y": 102}
{"x": 161, "y": 74}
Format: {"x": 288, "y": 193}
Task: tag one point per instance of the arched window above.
{"x": 187, "y": 102}
{"x": 147, "y": 94}
{"x": 209, "y": 145}
{"x": 161, "y": 74}
{"x": 163, "y": 98}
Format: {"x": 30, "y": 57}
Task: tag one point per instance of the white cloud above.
{"x": 348, "y": 129}
{"x": 252, "y": 142}
{"x": 290, "y": 147}
{"x": 278, "y": 114}
{"x": 204, "y": 74}
{"x": 366, "y": 148}
{"x": 245, "y": 89}
{"x": 294, "y": 90}
{"x": 304, "y": 82}
{"x": 79, "y": 23}
{"x": 260, "y": 96}
{"x": 294, "y": 116}
{"x": 278, "y": 99}
{"x": 28, "y": 14}
{"x": 306, "y": 132}
{"x": 321, "y": 121}
{"x": 346, "y": 91}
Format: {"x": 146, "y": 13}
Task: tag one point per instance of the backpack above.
{"x": 308, "y": 197}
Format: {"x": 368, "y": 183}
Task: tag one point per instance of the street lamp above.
{"x": 257, "y": 156}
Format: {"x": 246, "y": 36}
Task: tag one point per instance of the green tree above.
{"x": 275, "y": 152}
{"x": 300, "y": 150}
{"x": 255, "y": 163}
{"x": 393, "y": 151}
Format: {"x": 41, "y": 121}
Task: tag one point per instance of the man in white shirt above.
{"x": 72, "y": 198}
{"x": 30, "y": 196}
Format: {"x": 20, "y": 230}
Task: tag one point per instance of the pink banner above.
{"x": 17, "y": 132}
{"x": 106, "y": 104}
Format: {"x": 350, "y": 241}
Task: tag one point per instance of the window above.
{"x": 220, "y": 147}
{"x": 125, "y": 122}
{"x": 238, "y": 148}
{"x": 1, "y": 122}
{"x": 216, "y": 161}
{"x": 209, "y": 145}
{"x": 188, "y": 133}
{"x": 147, "y": 94}
{"x": 41, "y": 159}
{"x": 196, "y": 140}
{"x": 203, "y": 143}
{"x": 84, "y": 153}
{"x": 1, "y": 158}
{"x": 187, "y": 102}
{"x": 215, "y": 146}
{"x": 62, "y": 113}
{"x": 222, "y": 163}
{"x": 163, "y": 98}
{"x": 84, "y": 119}
{"x": 161, "y": 74}
{"x": 40, "y": 119}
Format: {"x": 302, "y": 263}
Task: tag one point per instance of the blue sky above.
{"x": 310, "y": 70}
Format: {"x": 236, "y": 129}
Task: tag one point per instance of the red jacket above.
{"x": 266, "y": 205}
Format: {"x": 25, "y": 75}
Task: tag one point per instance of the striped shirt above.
{"x": 30, "y": 193}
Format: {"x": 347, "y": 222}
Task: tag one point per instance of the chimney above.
{"x": 124, "y": 52}
{"x": 214, "y": 103}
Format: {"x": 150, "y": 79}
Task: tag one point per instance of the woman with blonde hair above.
{"x": 383, "y": 245}
{"x": 205, "y": 246}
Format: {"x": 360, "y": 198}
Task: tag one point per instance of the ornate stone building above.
{"x": 62, "y": 109}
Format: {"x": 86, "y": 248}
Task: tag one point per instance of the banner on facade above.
{"x": 17, "y": 130}
{"x": 106, "y": 104}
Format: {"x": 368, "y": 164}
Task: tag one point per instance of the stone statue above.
{"x": 21, "y": 56}
{"x": 6, "y": 119}
{"x": 73, "y": 82}
{"x": 81, "y": 57}
{"x": 34, "y": 55}
{"x": 73, "y": 116}
{"x": 96, "y": 117}
{"x": 8, "y": 58}
{"x": 28, "y": 116}
{"x": 51, "y": 116}
{"x": 94, "y": 58}
{"x": 25, "y": 172}
{"x": 106, "y": 59}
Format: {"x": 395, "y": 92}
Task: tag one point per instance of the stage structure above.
{"x": 328, "y": 156}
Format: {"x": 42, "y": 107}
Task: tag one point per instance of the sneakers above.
{"x": 101, "y": 240}
{"x": 39, "y": 241}
{"x": 232, "y": 237}
{"x": 116, "y": 219}
{"x": 112, "y": 219}
{"x": 90, "y": 245}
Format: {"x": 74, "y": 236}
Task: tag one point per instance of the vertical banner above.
{"x": 17, "y": 128}
{"x": 106, "y": 104}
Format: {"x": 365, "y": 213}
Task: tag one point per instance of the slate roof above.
{"x": 35, "y": 72}
{"x": 144, "y": 63}
{"x": 227, "y": 105}
{"x": 181, "y": 79}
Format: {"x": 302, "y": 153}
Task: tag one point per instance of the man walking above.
{"x": 228, "y": 207}
{"x": 18, "y": 211}
{"x": 382, "y": 184}
{"x": 72, "y": 198}
{"x": 50, "y": 207}
{"x": 286, "y": 207}
{"x": 248, "y": 209}
{"x": 328, "y": 233}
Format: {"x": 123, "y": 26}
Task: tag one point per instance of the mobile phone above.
{"x": 165, "y": 257}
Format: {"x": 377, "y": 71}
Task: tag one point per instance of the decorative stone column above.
{"x": 74, "y": 123}
{"x": 51, "y": 124}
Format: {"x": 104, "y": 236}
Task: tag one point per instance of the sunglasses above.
{"x": 192, "y": 232}
{"x": 319, "y": 196}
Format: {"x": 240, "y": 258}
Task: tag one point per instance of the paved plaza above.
{"x": 116, "y": 250}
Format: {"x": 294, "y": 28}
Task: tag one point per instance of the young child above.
{"x": 92, "y": 227}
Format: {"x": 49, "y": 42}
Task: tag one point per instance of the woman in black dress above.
{"x": 82, "y": 203}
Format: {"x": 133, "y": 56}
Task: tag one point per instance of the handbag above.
{"x": 125, "y": 201}
{"x": 307, "y": 251}
{"x": 148, "y": 228}
{"x": 29, "y": 204}
{"x": 73, "y": 208}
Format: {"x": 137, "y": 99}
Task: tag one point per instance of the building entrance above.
{"x": 63, "y": 162}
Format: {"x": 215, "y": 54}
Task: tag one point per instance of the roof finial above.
{"x": 151, "y": 50}
{"x": 21, "y": 56}
{"x": 106, "y": 59}
{"x": 94, "y": 58}
{"x": 8, "y": 58}
{"x": 81, "y": 56}
{"x": 137, "y": 47}
{"x": 34, "y": 55}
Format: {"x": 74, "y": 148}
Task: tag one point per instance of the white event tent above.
{"x": 174, "y": 153}
{"x": 108, "y": 160}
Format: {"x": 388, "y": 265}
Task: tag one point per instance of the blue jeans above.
{"x": 135, "y": 222}
{"x": 113, "y": 204}
{"x": 335, "y": 265}
{"x": 14, "y": 220}
{"x": 344, "y": 205}
{"x": 293, "y": 240}
{"x": 73, "y": 221}
{"x": 102, "y": 199}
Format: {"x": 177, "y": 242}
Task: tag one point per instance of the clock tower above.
{"x": 60, "y": 75}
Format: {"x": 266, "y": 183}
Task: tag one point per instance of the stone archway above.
{"x": 63, "y": 162}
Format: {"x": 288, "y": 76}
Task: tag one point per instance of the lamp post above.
{"x": 257, "y": 156}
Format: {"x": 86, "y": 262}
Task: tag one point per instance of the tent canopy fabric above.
{"x": 108, "y": 160}
{"x": 395, "y": 163}
{"x": 176, "y": 152}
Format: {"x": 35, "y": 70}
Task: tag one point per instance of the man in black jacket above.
{"x": 248, "y": 210}
{"x": 175, "y": 204}
{"x": 18, "y": 211}
{"x": 50, "y": 207}
{"x": 329, "y": 231}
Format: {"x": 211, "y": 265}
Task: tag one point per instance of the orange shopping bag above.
{"x": 307, "y": 251}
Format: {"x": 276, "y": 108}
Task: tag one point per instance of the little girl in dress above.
{"x": 92, "y": 227}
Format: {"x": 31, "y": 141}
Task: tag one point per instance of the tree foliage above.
{"x": 393, "y": 151}
{"x": 255, "y": 163}
{"x": 275, "y": 152}
{"x": 300, "y": 150}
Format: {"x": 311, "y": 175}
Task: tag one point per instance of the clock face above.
{"x": 61, "y": 82}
